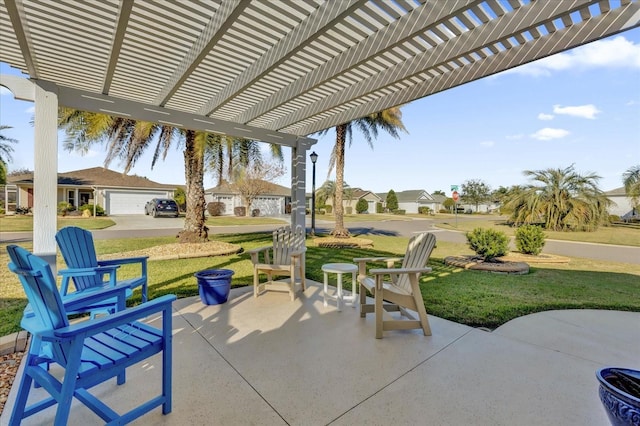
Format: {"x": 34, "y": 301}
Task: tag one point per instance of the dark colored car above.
{"x": 161, "y": 207}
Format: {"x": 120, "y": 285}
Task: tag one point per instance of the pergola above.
{"x": 269, "y": 70}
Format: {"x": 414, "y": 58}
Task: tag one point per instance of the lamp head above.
{"x": 314, "y": 157}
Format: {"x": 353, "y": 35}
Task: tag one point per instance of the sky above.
{"x": 580, "y": 107}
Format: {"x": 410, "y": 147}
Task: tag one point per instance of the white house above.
{"x": 622, "y": 205}
{"x": 274, "y": 202}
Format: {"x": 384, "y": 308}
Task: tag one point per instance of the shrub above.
{"x": 392, "y": 200}
{"x": 529, "y": 239}
{"x": 613, "y": 218}
{"x": 362, "y": 206}
{"x": 424, "y": 210}
{"x": 255, "y": 212}
{"x": 399, "y": 211}
{"x": 23, "y": 210}
{"x": 348, "y": 210}
{"x": 379, "y": 208}
{"x": 64, "y": 208}
{"x": 99, "y": 209}
{"x": 2, "y": 211}
{"x": 328, "y": 208}
{"x": 488, "y": 243}
{"x": 443, "y": 211}
{"x": 322, "y": 211}
{"x": 216, "y": 208}
{"x": 240, "y": 211}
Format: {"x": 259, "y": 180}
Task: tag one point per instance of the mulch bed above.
{"x": 9, "y": 365}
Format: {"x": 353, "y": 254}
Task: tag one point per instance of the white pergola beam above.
{"x": 88, "y": 101}
{"x": 405, "y": 28}
{"x": 605, "y": 25}
{"x": 328, "y": 14}
{"x": 471, "y": 41}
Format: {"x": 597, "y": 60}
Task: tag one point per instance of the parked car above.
{"x": 161, "y": 207}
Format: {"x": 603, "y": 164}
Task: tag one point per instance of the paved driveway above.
{"x": 139, "y": 221}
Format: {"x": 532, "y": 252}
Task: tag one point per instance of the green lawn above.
{"x": 20, "y": 223}
{"x": 242, "y": 221}
{"x": 615, "y": 234}
{"x": 469, "y": 297}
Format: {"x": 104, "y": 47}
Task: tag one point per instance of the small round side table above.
{"x": 339, "y": 269}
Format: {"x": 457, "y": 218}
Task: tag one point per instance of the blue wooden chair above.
{"x": 78, "y": 251}
{"x": 89, "y": 352}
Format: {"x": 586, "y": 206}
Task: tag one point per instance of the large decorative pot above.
{"x": 620, "y": 395}
{"x": 214, "y": 285}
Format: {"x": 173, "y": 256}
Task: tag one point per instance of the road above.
{"x": 145, "y": 226}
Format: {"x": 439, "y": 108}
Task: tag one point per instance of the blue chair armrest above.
{"x": 99, "y": 325}
{"x": 80, "y": 272}
{"x": 73, "y": 302}
{"x": 123, "y": 261}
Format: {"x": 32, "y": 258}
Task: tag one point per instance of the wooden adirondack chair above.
{"x": 77, "y": 248}
{"x": 402, "y": 290}
{"x": 284, "y": 258}
{"x": 89, "y": 352}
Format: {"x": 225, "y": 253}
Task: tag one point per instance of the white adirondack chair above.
{"x": 284, "y": 258}
{"x": 402, "y": 289}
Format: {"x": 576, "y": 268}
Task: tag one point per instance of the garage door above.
{"x": 129, "y": 202}
{"x": 269, "y": 206}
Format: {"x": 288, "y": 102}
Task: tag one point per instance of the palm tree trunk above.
{"x": 340, "y": 231}
{"x": 194, "y": 230}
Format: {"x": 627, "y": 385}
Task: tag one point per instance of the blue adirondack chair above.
{"x": 77, "y": 248}
{"x": 89, "y": 352}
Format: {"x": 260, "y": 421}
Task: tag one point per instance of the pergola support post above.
{"x": 45, "y": 173}
{"x": 298, "y": 181}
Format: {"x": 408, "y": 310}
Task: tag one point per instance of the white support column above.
{"x": 45, "y": 174}
{"x": 298, "y": 175}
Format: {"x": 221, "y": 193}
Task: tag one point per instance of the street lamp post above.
{"x": 314, "y": 158}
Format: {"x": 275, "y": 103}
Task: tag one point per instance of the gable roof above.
{"x": 617, "y": 192}
{"x": 96, "y": 176}
{"x": 273, "y": 189}
{"x": 357, "y": 193}
{"x": 408, "y": 196}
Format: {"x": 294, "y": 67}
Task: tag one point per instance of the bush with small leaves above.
{"x": 424, "y": 210}
{"x": 392, "y": 200}
{"x": 99, "y": 210}
{"x": 362, "y": 206}
{"x": 399, "y": 211}
{"x": 328, "y": 208}
{"x": 348, "y": 210}
{"x": 240, "y": 211}
{"x": 64, "y": 208}
{"x": 255, "y": 212}
{"x": 529, "y": 239}
{"x": 379, "y": 208}
{"x": 216, "y": 208}
{"x": 488, "y": 243}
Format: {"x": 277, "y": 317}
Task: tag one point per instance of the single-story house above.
{"x": 351, "y": 197}
{"x": 275, "y": 201}
{"x": 115, "y": 192}
{"x": 412, "y": 199}
{"x": 622, "y": 205}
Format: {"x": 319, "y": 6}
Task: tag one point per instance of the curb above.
{"x": 16, "y": 342}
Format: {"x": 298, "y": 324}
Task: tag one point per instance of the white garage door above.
{"x": 129, "y": 202}
{"x": 269, "y": 206}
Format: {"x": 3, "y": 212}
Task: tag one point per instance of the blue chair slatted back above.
{"x": 42, "y": 292}
{"x": 78, "y": 251}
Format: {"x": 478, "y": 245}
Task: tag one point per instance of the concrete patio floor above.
{"x": 270, "y": 361}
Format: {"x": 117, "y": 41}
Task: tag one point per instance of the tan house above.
{"x": 353, "y": 195}
{"x": 275, "y": 201}
{"x": 115, "y": 192}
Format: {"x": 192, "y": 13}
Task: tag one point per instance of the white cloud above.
{"x": 487, "y": 143}
{"x": 545, "y": 117}
{"x": 549, "y": 133}
{"x": 585, "y": 111}
{"x": 30, "y": 110}
{"x": 612, "y": 53}
{"x": 631, "y": 103}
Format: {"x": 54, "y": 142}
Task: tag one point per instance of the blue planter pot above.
{"x": 620, "y": 395}
{"x": 214, "y": 285}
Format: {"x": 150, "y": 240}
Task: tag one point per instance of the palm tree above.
{"x": 562, "y": 199}
{"x": 328, "y": 191}
{"x": 5, "y": 148}
{"x": 128, "y": 139}
{"x": 631, "y": 179}
{"x": 226, "y": 156}
{"x": 389, "y": 120}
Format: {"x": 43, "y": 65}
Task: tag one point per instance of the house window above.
{"x": 71, "y": 197}
{"x": 85, "y": 197}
